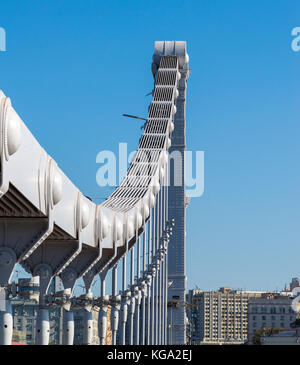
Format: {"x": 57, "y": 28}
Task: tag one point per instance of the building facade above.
{"x": 270, "y": 311}
{"x": 25, "y": 309}
{"x": 219, "y": 317}
{"x": 24, "y": 322}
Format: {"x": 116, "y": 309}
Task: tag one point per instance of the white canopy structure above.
{"x": 52, "y": 229}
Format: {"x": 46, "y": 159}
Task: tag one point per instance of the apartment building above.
{"x": 24, "y": 321}
{"x": 25, "y": 309}
{"x": 272, "y": 310}
{"x": 219, "y": 317}
{"x": 193, "y": 299}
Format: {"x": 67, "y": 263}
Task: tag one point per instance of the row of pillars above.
{"x": 138, "y": 312}
{"x": 142, "y": 310}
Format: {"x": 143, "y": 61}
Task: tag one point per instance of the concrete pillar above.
{"x": 68, "y": 327}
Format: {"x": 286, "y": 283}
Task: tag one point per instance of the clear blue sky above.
{"x": 73, "y": 67}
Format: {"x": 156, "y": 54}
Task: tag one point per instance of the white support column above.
{"x": 88, "y": 324}
{"x": 152, "y": 310}
{"x": 68, "y": 278}
{"x": 102, "y": 320}
{"x": 160, "y": 303}
{"x": 6, "y": 318}
{"x": 163, "y": 302}
{"x": 68, "y": 327}
{"x": 44, "y": 271}
{"x": 132, "y": 299}
{"x": 160, "y": 266}
{"x": 163, "y": 339}
{"x": 150, "y": 281}
{"x": 124, "y": 303}
{"x": 157, "y": 269}
{"x": 144, "y": 290}
{"x": 8, "y": 261}
{"x": 153, "y": 286}
{"x": 115, "y": 308}
{"x": 42, "y": 327}
{"x": 138, "y": 299}
{"x": 157, "y": 306}
{"x": 166, "y": 253}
